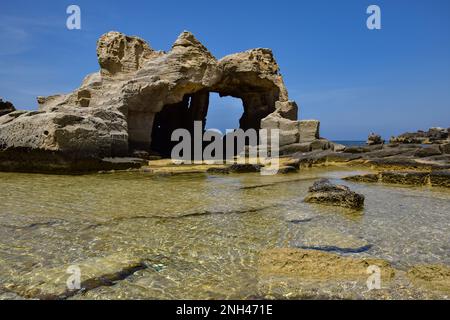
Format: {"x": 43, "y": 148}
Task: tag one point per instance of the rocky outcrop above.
{"x": 296, "y": 136}
{"x": 365, "y": 178}
{"x": 439, "y": 178}
{"x": 324, "y": 192}
{"x": 374, "y": 139}
{"x": 432, "y": 136}
{"x": 309, "y": 130}
{"x": 140, "y": 95}
{"x": 6, "y": 107}
{"x": 405, "y": 177}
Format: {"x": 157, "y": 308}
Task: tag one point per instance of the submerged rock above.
{"x": 319, "y": 266}
{"x": 434, "y": 277}
{"x": 330, "y": 240}
{"x": 324, "y": 192}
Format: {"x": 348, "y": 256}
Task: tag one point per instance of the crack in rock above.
{"x": 337, "y": 249}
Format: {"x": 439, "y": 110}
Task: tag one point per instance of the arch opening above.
{"x": 215, "y": 108}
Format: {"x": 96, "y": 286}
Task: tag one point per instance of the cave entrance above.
{"x": 213, "y": 109}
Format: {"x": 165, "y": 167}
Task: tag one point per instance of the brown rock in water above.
{"x": 367, "y": 178}
{"x": 6, "y": 107}
{"x": 287, "y": 170}
{"x": 324, "y": 192}
{"x": 319, "y": 266}
{"x": 244, "y": 168}
{"x": 405, "y": 177}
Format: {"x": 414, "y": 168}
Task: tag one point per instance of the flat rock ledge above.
{"x": 324, "y": 192}
{"x": 412, "y": 178}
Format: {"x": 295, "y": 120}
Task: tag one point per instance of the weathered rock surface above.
{"x": 439, "y": 178}
{"x": 445, "y": 148}
{"x": 324, "y": 192}
{"x": 374, "y": 139}
{"x": 287, "y": 170}
{"x": 406, "y": 178}
{"x": 434, "y": 135}
{"x": 140, "y": 96}
{"x": 244, "y": 168}
{"x": 309, "y": 130}
{"x": 6, "y": 107}
{"x": 433, "y": 277}
{"x": 367, "y": 178}
{"x": 428, "y": 152}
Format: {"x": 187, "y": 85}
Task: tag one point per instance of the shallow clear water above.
{"x": 201, "y": 235}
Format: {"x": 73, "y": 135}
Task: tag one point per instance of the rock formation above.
{"x": 324, "y": 192}
{"x": 140, "y": 96}
{"x": 6, "y": 107}
{"x": 432, "y": 136}
{"x": 374, "y": 139}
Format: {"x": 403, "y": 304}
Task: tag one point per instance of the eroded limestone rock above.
{"x": 140, "y": 95}
{"x": 374, "y": 139}
{"x": 324, "y": 192}
{"x": 309, "y": 130}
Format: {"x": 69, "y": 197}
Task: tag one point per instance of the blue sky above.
{"x": 352, "y": 79}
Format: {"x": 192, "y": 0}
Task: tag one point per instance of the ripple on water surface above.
{"x": 200, "y": 236}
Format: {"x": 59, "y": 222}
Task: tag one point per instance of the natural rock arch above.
{"x": 114, "y": 111}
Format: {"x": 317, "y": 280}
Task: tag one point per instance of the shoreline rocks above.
{"x": 411, "y": 178}
{"x": 324, "y": 192}
{"x": 6, "y": 107}
{"x": 432, "y": 136}
{"x": 374, "y": 139}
